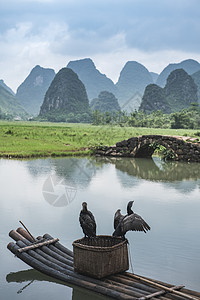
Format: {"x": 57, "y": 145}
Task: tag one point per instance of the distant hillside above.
{"x": 196, "y": 78}
{"x": 179, "y": 92}
{"x": 106, "y": 102}
{"x": 66, "y": 94}
{"x": 190, "y": 66}
{"x": 94, "y": 81}
{"x": 10, "y": 105}
{"x": 154, "y": 76}
{"x": 133, "y": 79}
{"x": 32, "y": 91}
{"x": 2, "y": 83}
{"x": 154, "y": 99}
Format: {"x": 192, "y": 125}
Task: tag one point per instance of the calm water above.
{"x": 47, "y": 194}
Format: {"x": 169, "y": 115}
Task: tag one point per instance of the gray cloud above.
{"x": 35, "y": 31}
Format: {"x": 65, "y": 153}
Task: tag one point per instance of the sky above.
{"x": 50, "y": 33}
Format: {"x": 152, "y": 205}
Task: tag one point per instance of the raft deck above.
{"x": 50, "y": 257}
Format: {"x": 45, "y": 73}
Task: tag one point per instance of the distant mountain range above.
{"x": 179, "y": 92}
{"x": 2, "y": 83}
{"x": 32, "y": 91}
{"x": 190, "y": 66}
{"x": 128, "y": 90}
{"x": 9, "y": 105}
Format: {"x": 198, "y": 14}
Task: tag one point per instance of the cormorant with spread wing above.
{"x": 131, "y": 221}
{"x": 87, "y": 221}
{"x": 118, "y": 216}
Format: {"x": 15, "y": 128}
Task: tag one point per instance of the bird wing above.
{"x": 90, "y": 214}
{"x": 134, "y": 222}
{"x": 117, "y": 218}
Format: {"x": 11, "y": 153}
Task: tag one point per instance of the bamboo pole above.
{"x": 129, "y": 282}
{"x": 156, "y": 294}
{"x": 48, "y": 257}
{"x": 17, "y": 237}
{"x": 34, "y": 246}
{"x": 60, "y": 246}
{"x": 178, "y": 293}
{"x": 28, "y": 231}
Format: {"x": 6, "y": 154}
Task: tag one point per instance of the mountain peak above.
{"x": 81, "y": 63}
{"x": 2, "y": 83}
{"x": 32, "y": 91}
{"x": 189, "y": 65}
{"x": 65, "y": 95}
{"x": 133, "y": 79}
{"x": 93, "y": 79}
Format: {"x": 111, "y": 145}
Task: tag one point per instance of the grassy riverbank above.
{"x": 34, "y": 139}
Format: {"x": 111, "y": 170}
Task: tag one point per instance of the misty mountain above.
{"x": 196, "y": 78}
{"x": 133, "y": 79}
{"x": 10, "y": 105}
{"x": 190, "y": 66}
{"x": 154, "y": 76}
{"x": 106, "y": 102}
{"x": 2, "y": 83}
{"x": 32, "y": 91}
{"x": 94, "y": 81}
{"x": 66, "y": 94}
{"x": 179, "y": 92}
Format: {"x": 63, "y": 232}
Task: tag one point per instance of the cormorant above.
{"x": 87, "y": 221}
{"x": 131, "y": 221}
{"x": 118, "y": 216}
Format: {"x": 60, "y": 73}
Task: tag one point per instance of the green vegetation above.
{"x": 186, "y": 119}
{"x": 32, "y": 139}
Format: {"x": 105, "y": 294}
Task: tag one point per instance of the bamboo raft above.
{"x": 50, "y": 257}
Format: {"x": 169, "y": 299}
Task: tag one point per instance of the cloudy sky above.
{"x": 111, "y": 32}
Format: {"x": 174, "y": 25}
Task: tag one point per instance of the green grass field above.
{"x": 34, "y": 139}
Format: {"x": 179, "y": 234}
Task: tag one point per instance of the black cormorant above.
{"x": 87, "y": 221}
{"x": 131, "y": 221}
{"x": 118, "y": 216}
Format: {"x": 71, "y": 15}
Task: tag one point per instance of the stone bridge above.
{"x": 178, "y": 148}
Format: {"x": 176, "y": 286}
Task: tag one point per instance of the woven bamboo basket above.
{"x": 100, "y": 256}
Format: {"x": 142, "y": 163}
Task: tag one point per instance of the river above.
{"x": 46, "y": 194}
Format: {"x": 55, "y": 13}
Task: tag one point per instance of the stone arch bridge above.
{"x": 179, "y": 148}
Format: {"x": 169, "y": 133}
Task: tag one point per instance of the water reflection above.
{"x": 28, "y": 277}
{"x": 82, "y": 170}
{"x": 154, "y": 169}
{"x": 78, "y": 172}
